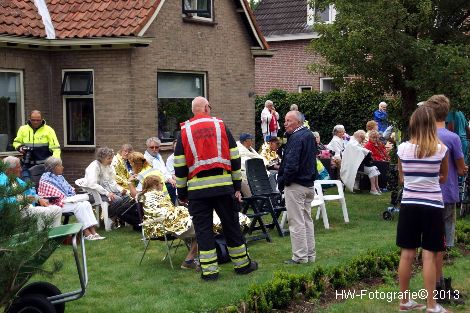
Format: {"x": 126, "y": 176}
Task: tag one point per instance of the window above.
{"x": 326, "y": 15}
{"x": 305, "y": 88}
{"x": 79, "y": 112}
{"x": 201, "y": 9}
{"x": 11, "y": 107}
{"x": 327, "y": 84}
{"x": 176, "y": 90}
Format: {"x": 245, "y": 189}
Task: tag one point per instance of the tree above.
{"x": 21, "y": 243}
{"x": 410, "y": 49}
{"x": 254, "y": 4}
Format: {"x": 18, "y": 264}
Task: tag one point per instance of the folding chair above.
{"x": 263, "y": 198}
{"x": 36, "y": 172}
{"x": 167, "y": 238}
{"x": 256, "y": 220}
{"x": 97, "y": 204}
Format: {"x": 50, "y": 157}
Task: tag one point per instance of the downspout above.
{"x": 46, "y": 18}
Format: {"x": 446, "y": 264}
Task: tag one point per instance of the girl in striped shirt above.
{"x": 422, "y": 166}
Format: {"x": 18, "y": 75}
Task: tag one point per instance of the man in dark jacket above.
{"x": 296, "y": 177}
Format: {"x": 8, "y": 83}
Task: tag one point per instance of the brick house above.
{"x": 287, "y": 27}
{"x": 108, "y": 72}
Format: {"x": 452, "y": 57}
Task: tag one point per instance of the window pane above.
{"x": 80, "y": 122}
{"x": 201, "y": 8}
{"x": 328, "y": 85}
{"x": 175, "y": 93}
{"x": 177, "y": 85}
{"x": 324, "y": 15}
{"x": 10, "y": 106}
{"x": 79, "y": 83}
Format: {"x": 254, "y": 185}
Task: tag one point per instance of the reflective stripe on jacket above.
{"x": 205, "y": 144}
{"x": 43, "y": 141}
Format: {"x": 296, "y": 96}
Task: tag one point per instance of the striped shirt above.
{"x": 421, "y": 176}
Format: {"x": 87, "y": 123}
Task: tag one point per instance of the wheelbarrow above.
{"x": 44, "y": 297}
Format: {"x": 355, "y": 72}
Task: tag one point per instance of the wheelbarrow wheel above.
{"x": 31, "y": 303}
{"x": 387, "y": 215}
{"x": 44, "y": 289}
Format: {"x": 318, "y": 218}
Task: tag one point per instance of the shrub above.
{"x": 352, "y": 107}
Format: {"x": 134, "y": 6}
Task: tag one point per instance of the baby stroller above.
{"x": 464, "y": 195}
{"x": 395, "y": 195}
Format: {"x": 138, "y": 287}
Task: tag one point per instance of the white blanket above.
{"x": 353, "y": 155}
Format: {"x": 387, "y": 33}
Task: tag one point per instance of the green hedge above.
{"x": 352, "y": 107}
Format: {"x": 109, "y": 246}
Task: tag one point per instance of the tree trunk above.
{"x": 409, "y": 100}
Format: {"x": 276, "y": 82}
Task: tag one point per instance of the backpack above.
{"x": 222, "y": 249}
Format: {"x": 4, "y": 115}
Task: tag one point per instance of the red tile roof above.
{"x": 77, "y": 18}
{"x": 92, "y": 18}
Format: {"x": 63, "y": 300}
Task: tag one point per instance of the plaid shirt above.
{"x": 46, "y": 189}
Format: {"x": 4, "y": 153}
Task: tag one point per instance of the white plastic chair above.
{"x": 317, "y": 201}
{"x": 339, "y": 196}
{"x": 98, "y": 203}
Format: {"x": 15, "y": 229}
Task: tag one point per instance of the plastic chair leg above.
{"x": 107, "y": 221}
{"x": 284, "y": 220}
{"x": 345, "y": 210}
{"x": 322, "y": 208}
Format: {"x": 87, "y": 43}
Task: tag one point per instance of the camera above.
{"x": 28, "y": 152}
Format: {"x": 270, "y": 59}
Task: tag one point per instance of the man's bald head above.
{"x": 200, "y": 105}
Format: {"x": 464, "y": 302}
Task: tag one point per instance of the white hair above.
{"x": 153, "y": 139}
{"x": 338, "y": 128}
{"x": 11, "y": 161}
{"x": 268, "y": 103}
{"x": 360, "y": 132}
{"x": 294, "y": 107}
{"x": 383, "y": 103}
{"x": 51, "y": 163}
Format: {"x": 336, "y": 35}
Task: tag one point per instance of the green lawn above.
{"x": 118, "y": 284}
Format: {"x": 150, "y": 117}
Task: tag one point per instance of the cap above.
{"x": 245, "y": 136}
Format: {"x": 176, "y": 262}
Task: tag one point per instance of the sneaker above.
{"x": 189, "y": 265}
{"x": 411, "y": 305}
{"x": 311, "y": 260}
{"x": 253, "y": 266}
{"x": 438, "y": 309}
{"x": 291, "y": 262}
{"x": 375, "y": 193}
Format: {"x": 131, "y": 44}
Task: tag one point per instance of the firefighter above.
{"x": 36, "y": 141}
{"x": 208, "y": 176}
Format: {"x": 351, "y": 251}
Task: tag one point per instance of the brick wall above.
{"x": 125, "y": 81}
{"x": 287, "y": 69}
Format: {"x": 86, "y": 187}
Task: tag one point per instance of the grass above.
{"x": 118, "y": 284}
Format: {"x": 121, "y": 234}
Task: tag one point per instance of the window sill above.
{"x": 193, "y": 20}
{"x": 78, "y": 149}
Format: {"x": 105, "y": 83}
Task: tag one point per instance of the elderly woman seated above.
{"x": 141, "y": 169}
{"x": 269, "y": 153}
{"x": 161, "y": 216}
{"x": 53, "y": 184}
{"x": 376, "y": 147}
{"x": 121, "y": 165}
{"x": 337, "y": 142}
{"x": 46, "y": 213}
{"x": 354, "y": 156}
{"x": 370, "y": 126}
{"x": 100, "y": 177}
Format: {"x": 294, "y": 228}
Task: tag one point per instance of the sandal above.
{"x": 98, "y": 237}
{"x": 89, "y": 237}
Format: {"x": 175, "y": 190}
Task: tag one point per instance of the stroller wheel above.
{"x": 387, "y": 215}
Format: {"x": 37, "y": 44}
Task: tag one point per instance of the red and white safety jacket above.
{"x": 205, "y": 144}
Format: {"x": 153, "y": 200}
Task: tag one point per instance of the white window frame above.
{"x": 64, "y": 109}
{"x": 311, "y": 12}
{"x": 202, "y": 18}
{"x": 22, "y": 111}
{"x": 322, "y": 79}
{"x": 310, "y": 88}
